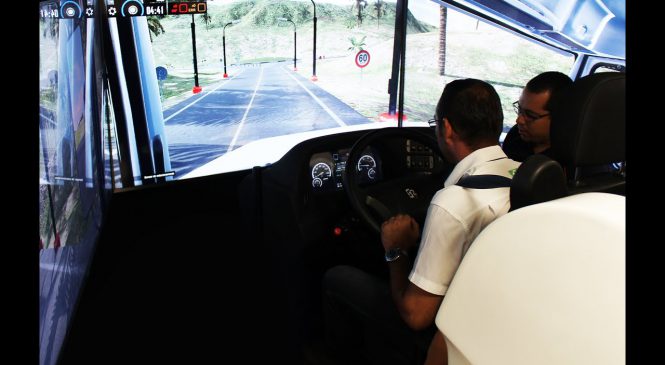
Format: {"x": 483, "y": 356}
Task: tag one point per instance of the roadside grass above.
{"x": 47, "y": 98}
{"x": 178, "y": 87}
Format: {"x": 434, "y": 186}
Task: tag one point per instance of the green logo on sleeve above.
{"x": 512, "y": 172}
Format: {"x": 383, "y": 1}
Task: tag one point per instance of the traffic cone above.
{"x": 387, "y": 117}
{"x": 56, "y": 244}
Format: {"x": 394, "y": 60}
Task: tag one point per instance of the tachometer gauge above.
{"x": 367, "y": 166}
{"x": 322, "y": 172}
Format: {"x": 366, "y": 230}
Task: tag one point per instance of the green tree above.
{"x": 357, "y": 44}
{"x": 154, "y": 26}
{"x": 379, "y": 10}
{"x": 207, "y": 19}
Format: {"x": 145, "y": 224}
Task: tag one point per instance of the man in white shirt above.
{"x": 469, "y": 122}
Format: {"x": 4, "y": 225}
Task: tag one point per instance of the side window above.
{"x": 72, "y": 166}
{"x": 459, "y": 46}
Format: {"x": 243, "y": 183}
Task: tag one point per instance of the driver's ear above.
{"x": 448, "y": 130}
{"x": 439, "y": 130}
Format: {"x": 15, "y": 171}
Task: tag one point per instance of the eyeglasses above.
{"x": 432, "y": 122}
{"x": 528, "y": 115}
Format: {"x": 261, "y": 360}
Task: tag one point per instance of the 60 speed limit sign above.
{"x": 362, "y": 59}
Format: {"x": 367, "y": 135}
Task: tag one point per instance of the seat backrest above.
{"x": 544, "y": 285}
{"x": 538, "y": 179}
{"x": 588, "y": 132}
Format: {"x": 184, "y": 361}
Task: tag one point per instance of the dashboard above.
{"x": 304, "y": 192}
{"x": 326, "y": 169}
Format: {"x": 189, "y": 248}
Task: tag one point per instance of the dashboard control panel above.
{"x": 418, "y": 156}
{"x": 327, "y": 169}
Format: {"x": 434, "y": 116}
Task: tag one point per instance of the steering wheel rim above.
{"x": 361, "y": 202}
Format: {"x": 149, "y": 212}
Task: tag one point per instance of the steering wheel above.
{"x": 410, "y": 193}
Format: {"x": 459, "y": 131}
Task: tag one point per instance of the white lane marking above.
{"x": 330, "y": 112}
{"x": 48, "y": 119}
{"x": 244, "y": 117}
{"x": 59, "y": 268}
{"x": 199, "y": 99}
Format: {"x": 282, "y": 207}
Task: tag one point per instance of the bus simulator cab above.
{"x": 195, "y": 185}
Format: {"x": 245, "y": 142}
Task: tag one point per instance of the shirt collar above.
{"x": 468, "y": 164}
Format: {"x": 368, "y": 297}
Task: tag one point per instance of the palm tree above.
{"x": 379, "y": 9}
{"x": 443, "y": 19}
{"x": 360, "y": 6}
{"x": 154, "y": 26}
{"x": 207, "y": 19}
{"x": 357, "y": 44}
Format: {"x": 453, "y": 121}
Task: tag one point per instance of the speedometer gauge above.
{"x": 321, "y": 171}
{"x": 367, "y": 166}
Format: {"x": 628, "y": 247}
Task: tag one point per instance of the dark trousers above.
{"x": 362, "y": 324}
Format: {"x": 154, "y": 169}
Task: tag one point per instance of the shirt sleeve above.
{"x": 440, "y": 251}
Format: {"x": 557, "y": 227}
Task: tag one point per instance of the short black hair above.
{"x": 473, "y": 109}
{"x": 553, "y": 81}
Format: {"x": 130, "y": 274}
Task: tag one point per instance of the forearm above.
{"x": 399, "y": 281}
{"x": 416, "y": 306}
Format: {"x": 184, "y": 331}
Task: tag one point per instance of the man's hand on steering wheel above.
{"x": 408, "y": 190}
{"x": 400, "y": 231}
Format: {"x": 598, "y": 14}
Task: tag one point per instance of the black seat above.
{"x": 588, "y": 134}
{"x": 537, "y": 180}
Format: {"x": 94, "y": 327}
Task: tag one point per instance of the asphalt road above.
{"x": 256, "y": 102}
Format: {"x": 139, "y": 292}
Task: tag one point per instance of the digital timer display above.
{"x": 178, "y": 8}
{"x": 49, "y": 13}
{"x": 128, "y": 8}
{"x": 136, "y": 8}
{"x": 155, "y": 9}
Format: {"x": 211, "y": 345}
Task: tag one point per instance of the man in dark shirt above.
{"x": 531, "y": 132}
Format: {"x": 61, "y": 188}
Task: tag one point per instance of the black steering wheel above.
{"x": 406, "y": 190}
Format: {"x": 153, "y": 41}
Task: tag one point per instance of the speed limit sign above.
{"x": 362, "y": 59}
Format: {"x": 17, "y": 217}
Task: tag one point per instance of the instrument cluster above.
{"x": 326, "y": 169}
